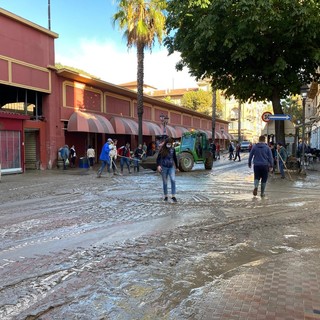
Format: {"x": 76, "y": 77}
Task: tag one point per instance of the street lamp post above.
{"x": 304, "y": 93}
{"x": 164, "y": 120}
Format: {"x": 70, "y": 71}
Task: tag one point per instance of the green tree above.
{"x": 201, "y": 101}
{"x": 253, "y": 49}
{"x": 292, "y": 107}
{"x": 142, "y": 21}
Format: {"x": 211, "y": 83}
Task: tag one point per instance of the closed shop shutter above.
{"x": 31, "y": 150}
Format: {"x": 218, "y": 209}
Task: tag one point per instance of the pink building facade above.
{"x": 43, "y": 108}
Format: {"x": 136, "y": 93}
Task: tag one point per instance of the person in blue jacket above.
{"x": 262, "y": 159}
{"x": 105, "y": 158}
{"x": 167, "y": 164}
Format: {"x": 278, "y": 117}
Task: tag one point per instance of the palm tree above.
{"x": 142, "y": 22}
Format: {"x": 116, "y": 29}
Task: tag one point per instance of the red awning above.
{"x": 180, "y": 131}
{"x": 124, "y": 125}
{"x": 217, "y": 135}
{"x": 89, "y": 122}
{"x": 207, "y": 132}
{"x": 227, "y": 136}
{"x": 171, "y": 131}
{"x": 151, "y": 129}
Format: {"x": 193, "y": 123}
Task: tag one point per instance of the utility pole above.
{"x": 214, "y": 109}
{"x": 239, "y": 122}
{"x": 49, "y": 15}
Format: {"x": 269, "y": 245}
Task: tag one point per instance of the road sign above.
{"x": 280, "y": 117}
{"x": 265, "y": 116}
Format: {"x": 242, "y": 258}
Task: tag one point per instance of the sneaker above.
{"x": 165, "y": 199}
{"x": 255, "y": 191}
{"x": 262, "y": 195}
{"x": 174, "y": 199}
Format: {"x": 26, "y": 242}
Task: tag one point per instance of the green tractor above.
{"x": 194, "y": 148}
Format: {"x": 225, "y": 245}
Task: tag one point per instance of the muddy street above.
{"x": 77, "y": 247}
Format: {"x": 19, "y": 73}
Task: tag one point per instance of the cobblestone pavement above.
{"x": 77, "y": 247}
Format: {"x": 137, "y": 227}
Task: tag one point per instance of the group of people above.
{"x": 110, "y": 152}
{"x": 167, "y": 162}
{"x": 265, "y": 159}
{"x": 234, "y": 151}
{"x": 65, "y": 154}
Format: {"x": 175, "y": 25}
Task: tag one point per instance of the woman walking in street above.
{"x": 262, "y": 159}
{"x": 167, "y": 164}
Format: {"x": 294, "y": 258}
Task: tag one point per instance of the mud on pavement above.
{"x": 77, "y": 247}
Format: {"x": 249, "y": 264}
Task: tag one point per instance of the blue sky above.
{"x": 88, "y": 40}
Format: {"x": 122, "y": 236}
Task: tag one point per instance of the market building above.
{"x": 43, "y": 108}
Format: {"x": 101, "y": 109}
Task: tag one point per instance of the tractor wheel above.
{"x": 186, "y": 162}
{"x": 208, "y": 162}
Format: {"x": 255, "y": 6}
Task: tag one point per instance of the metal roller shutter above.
{"x": 31, "y": 150}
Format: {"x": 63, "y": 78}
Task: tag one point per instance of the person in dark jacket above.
{"x": 282, "y": 157}
{"x": 167, "y": 164}
{"x": 138, "y": 154}
{"x": 262, "y": 159}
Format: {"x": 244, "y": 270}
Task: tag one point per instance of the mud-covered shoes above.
{"x": 255, "y": 191}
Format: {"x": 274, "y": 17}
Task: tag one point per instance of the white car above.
{"x": 245, "y": 145}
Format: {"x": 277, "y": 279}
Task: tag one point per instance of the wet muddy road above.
{"x": 77, "y": 247}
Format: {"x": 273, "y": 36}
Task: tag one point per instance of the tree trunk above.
{"x": 214, "y": 110}
{"x": 279, "y": 125}
{"x": 140, "y": 76}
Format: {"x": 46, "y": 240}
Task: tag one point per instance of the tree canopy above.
{"x": 251, "y": 49}
{"x": 201, "y": 101}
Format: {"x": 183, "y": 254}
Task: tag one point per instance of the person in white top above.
{"x": 91, "y": 155}
{"x": 113, "y": 155}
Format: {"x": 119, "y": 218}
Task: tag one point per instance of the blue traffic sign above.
{"x": 279, "y": 117}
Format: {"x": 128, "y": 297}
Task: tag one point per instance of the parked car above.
{"x": 245, "y": 146}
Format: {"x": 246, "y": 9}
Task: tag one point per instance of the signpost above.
{"x": 279, "y": 117}
{"x": 268, "y": 116}
{"x": 265, "y": 116}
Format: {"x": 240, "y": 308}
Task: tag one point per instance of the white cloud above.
{"x": 107, "y": 62}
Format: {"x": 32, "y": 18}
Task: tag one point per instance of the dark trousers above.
{"x": 261, "y": 172}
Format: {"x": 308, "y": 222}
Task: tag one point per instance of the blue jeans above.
{"x": 171, "y": 172}
{"x": 124, "y": 161}
{"x": 103, "y": 165}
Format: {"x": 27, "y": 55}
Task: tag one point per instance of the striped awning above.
{"x": 217, "y": 135}
{"x": 89, "y": 122}
{"x": 151, "y": 129}
{"x": 171, "y": 131}
{"x": 207, "y": 132}
{"x": 227, "y": 136}
{"x": 124, "y": 125}
{"x": 180, "y": 131}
